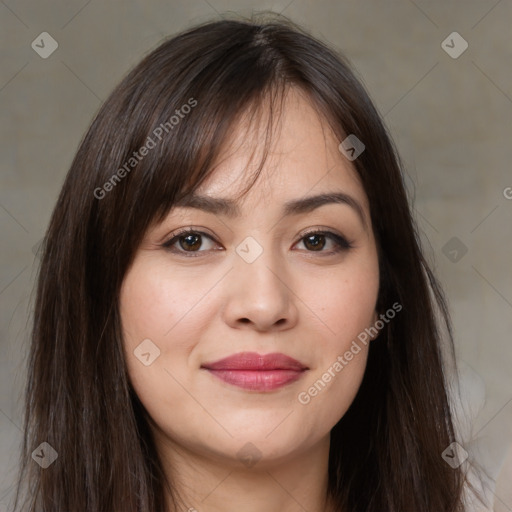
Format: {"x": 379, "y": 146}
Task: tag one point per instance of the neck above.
{"x": 207, "y": 483}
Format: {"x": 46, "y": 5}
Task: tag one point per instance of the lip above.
{"x": 253, "y": 371}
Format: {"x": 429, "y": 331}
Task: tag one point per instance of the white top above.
{"x": 489, "y": 470}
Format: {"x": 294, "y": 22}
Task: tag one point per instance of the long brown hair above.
{"x": 385, "y": 452}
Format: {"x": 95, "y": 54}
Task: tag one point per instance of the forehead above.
{"x": 303, "y": 158}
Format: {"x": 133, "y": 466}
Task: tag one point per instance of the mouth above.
{"x": 252, "y": 371}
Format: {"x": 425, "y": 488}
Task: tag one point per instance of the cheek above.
{"x": 149, "y": 311}
{"x": 163, "y": 313}
{"x": 340, "y": 356}
{"x": 343, "y": 308}
{"x": 336, "y": 381}
{"x": 344, "y": 300}
{"x": 159, "y": 303}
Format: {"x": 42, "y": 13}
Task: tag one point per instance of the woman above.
{"x": 203, "y": 345}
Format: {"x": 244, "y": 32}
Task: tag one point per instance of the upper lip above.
{"x": 255, "y": 361}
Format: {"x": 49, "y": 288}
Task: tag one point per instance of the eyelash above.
{"x": 342, "y": 243}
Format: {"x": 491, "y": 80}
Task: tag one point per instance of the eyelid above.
{"x": 172, "y": 237}
{"x": 319, "y": 230}
{"x": 342, "y": 242}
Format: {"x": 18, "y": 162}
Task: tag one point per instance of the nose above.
{"x": 260, "y": 295}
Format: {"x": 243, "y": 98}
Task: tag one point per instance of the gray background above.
{"x": 450, "y": 118}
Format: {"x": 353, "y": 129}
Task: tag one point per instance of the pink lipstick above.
{"x": 249, "y": 370}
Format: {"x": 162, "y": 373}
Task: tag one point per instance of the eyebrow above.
{"x": 229, "y": 208}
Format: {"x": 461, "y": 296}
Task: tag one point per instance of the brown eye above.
{"x": 191, "y": 242}
{"x": 188, "y": 241}
{"x": 316, "y": 242}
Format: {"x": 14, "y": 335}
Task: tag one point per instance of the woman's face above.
{"x": 256, "y": 280}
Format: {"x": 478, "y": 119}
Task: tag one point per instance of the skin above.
{"x": 305, "y": 303}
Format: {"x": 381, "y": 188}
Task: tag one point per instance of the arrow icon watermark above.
{"x": 45, "y": 455}
{"x": 351, "y": 147}
{"x": 44, "y": 45}
{"x": 146, "y": 352}
{"x": 454, "y": 45}
{"x": 249, "y": 249}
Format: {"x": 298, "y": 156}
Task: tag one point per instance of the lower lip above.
{"x": 258, "y": 380}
